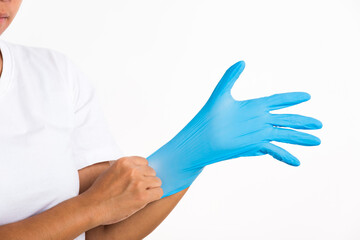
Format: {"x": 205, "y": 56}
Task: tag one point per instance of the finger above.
{"x": 153, "y": 182}
{"x": 283, "y": 100}
{"x": 155, "y": 194}
{"x": 294, "y": 137}
{"x": 140, "y": 160}
{"x": 280, "y": 154}
{"x": 294, "y": 121}
{"x": 228, "y": 79}
{"x": 148, "y": 171}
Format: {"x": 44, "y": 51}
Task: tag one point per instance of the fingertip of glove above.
{"x": 305, "y": 96}
{"x": 295, "y": 163}
{"x": 241, "y": 63}
{"x": 291, "y": 160}
{"x": 319, "y": 124}
{"x": 317, "y": 142}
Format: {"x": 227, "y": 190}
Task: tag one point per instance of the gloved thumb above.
{"x": 227, "y": 81}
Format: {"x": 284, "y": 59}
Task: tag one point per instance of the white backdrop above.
{"x": 155, "y": 63}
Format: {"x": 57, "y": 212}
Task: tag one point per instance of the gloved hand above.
{"x": 225, "y": 128}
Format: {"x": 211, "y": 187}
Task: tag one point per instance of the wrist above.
{"x": 88, "y": 208}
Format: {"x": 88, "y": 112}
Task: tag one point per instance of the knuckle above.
{"x": 158, "y": 180}
{"x": 136, "y": 160}
{"x": 133, "y": 172}
{"x": 117, "y": 163}
{"x": 127, "y": 161}
{"x": 143, "y": 160}
{"x": 123, "y": 162}
{"x": 150, "y": 171}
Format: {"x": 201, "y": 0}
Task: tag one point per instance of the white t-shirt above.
{"x": 51, "y": 125}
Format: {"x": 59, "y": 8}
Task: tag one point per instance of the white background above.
{"x": 155, "y": 63}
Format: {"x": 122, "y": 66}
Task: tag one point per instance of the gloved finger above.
{"x": 294, "y": 121}
{"x": 283, "y": 100}
{"x": 228, "y": 79}
{"x": 294, "y": 137}
{"x": 280, "y": 154}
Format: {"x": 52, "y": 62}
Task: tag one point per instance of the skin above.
{"x": 117, "y": 200}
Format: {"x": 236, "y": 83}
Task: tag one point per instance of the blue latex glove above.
{"x": 225, "y": 128}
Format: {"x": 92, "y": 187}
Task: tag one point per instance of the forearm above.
{"x": 66, "y": 220}
{"x": 140, "y": 224}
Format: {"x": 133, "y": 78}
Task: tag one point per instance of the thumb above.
{"x": 227, "y": 81}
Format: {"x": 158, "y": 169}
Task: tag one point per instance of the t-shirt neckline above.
{"x": 5, "y": 78}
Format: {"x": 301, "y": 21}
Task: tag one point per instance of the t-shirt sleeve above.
{"x": 92, "y": 141}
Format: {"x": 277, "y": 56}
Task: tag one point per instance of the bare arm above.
{"x": 118, "y": 192}
{"x": 138, "y": 225}
{"x": 66, "y": 220}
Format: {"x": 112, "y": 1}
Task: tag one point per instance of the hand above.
{"x": 127, "y": 186}
{"x": 225, "y": 128}
{"x": 246, "y": 128}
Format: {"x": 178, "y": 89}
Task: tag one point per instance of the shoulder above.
{"x": 34, "y": 52}
{"x": 38, "y": 58}
{"x": 44, "y": 60}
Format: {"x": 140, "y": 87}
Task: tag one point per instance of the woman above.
{"x": 43, "y": 97}
{"x": 62, "y": 174}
